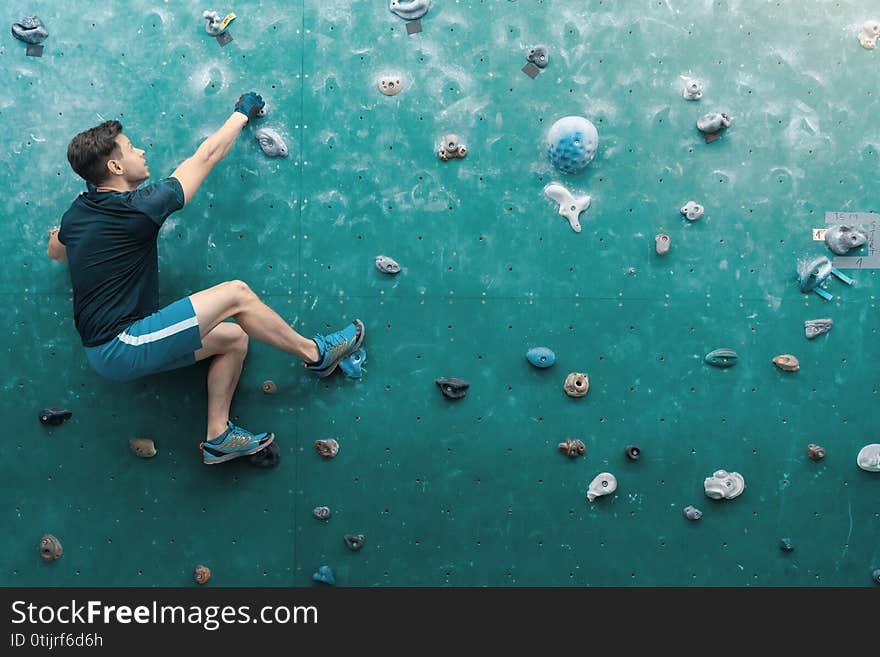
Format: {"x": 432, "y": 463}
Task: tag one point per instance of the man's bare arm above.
{"x": 56, "y": 250}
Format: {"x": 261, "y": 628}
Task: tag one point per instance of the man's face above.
{"x": 132, "y": 162}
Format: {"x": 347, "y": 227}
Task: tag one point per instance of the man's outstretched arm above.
{"x": 193, "y": 171}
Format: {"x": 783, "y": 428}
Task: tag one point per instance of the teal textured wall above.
{"x": 471, "y": 492}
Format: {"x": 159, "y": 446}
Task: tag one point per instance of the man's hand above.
{"x": 56, "y": 250}
{"x": 250, "y": 104}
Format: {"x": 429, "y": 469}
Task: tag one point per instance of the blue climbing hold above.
{"x": 541, "y": 356}
{"x": 812, "y": 275}
{"x": 572, "y": 143}
{"x": 325, "y": 575}
{"x": 351, "y": 365}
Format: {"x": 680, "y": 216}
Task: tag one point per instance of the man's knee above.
{"x": 241, "y": 293}
{"x": 241, "y": 341}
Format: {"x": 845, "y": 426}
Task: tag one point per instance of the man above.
{"x": 108, "y": 237}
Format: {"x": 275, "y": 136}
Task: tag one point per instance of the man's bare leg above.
{"x": 227, "y": 343}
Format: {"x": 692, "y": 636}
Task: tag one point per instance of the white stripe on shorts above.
{"x": 155, "y": 336}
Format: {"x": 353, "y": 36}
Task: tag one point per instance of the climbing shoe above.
{"x": 333, "y": 347}
{"x": 232, "y": 443}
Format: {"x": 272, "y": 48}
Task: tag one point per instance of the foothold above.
{"x": 604, "y": 484}
{"x": 815, "y": 452}
{"x": 576, "y": 384}
{"x": 570, "y": 206}
{"x": 321, "y": 512}
{"x": 271, "y": 142}
{"x": 723, "y": 485}
{"x": 713, "y": 123}
{"x": 812, "y": 274}
{"x": 352, "y": 365}
{"x": 661, "y": 243}
{"x": 50, "y": 548}
{"x": 541, "y": 357}
{"x": 389, "y": 86}
{"x": 693, "y": 89}
{"x": 327, "y": 448}
{"x": 411, "y": 9}
{"x": 692, "y": 211}
{"x": 202, "y": 574}
{"x": 215, "y": 25}
{"x": 816, "y": 327}
{"x": 325, "y": 575}
{"x": 722, "y": 358}
{"x": 876, "y": 576}
{"x": 354, "y": 542}
{"x": 453, "y": 388}
{"x": 692, "y": 513}
{"x": 787, "y": 363}
{"x": 538, "y": 56}
{"x": 572, "y": 448}
{"x": 869, "y": 34}
{"x": 55, "y": 415}
{"x": 869, "y": 458}
{"x": 268, "y": 457}
{"x": 269, "y": 387}
{"x": 786, "y": 545}
{"x": 142, "y": 447}
{"x": 30, "y": 29}
{"x": 842, "y": 239}
{"x": 572, "y": 143}
{"x": 633, "y": 452}
{"x": 450, "y": 148}
{"x": 387, "y": 265}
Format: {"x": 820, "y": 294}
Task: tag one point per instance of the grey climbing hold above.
{"x": 354, "y": 542}
{"x": 724, "y": 485}
{"x": 786, "y": 545}
{"x": 410, "y": 9}
{"x": 142, "y": 447}
{"x": 661, "y": 243}
{"x": 842, "y": 239}
{"x": 321, "y": 512}
{"x": 451, "y": 148}
{"x": 869, "y": 458}
{"x": 324, "y": 575}
{"x": 538, "y": 56}
{"x": 215, "y": 25}
{"x": 30, "y": 29}
{"x": 541, "y": 357}
{"x": 50, "y": 548}
{"x": 876, "y": 576}
{"x": 812, "y": 274}
{"x": 604, "y": 483}
{"x": 713, "y": 122}
{"x": 692, "y": 211}
{"x": 721, "y": 358}
{"x": 633, "y": 452}
{"x": 352, "y": 365}
{"x": 271, "y": 142}
{"x": 570, "y": 206}
{"x": 816, "y": 327}
{"x": 692, "y": 513}
{"x": 453, "y": 388}
{"x": 387, "y": 265}
{"x": 693, "y": 89}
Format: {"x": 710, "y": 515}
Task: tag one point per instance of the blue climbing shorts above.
{"x": 165, "y": 340}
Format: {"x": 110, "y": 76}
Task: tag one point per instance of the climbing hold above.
{"x": 453, "y": 388}
{"x": 572, "y": 448}
{"x": 842, "y": 239}
{"x": 604, "y": 484}
{"x": 30, "y": 29}
{"x": 327, "y": 448}
{"x": 410, "y": 10}
{"x": 269, "y": 387}
{"x": 142, "y": 447}
{"x": 538, "y": 56}
{"x": 869, "y": 34}
{"x": 576, "y": 384}
{"x": 692, "y": 513}
{"x": 570, "y": 206}
{"x": 661, "y": 243}
{"x": 693, "y": 89}
{"x": 55, "y": 415}
{"x": 876, "y": 576}
{"x": 815, "y": 452}
{"x": 268, "y": 457}
{"x": 216, "y": 25}
{"x": 450, "y": 148}
{"x": 816, "y": 327}
{"x": 352, "y": 364}
{"x": 202, "y": 574}
{"x": 723, "y": 485}
{"x": 712, "y": 124}
{"x": 321, "y": 512}
{"x": 50, "y": 548}
{"x": 271, "y": 142}
{"x": 389, "y": 86}
{"x": 354, "y": 542}
{"x": 541, "y": 357}
{"x": 869, "y": 458}
{"x": 387, "y": 265}
{"x": 633, "y": 452}
{"x": 812, "y": 274}
{"x": 571, "y": 143}
{"x": 692, "y": 211}
{"x": 786, "y": 545}
{"x": 721, "y": 358}
{"x": 787, "y": 363}
{"x": 325, "y": 575}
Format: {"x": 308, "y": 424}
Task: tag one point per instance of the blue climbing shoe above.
{"x": 232, "y": 443}
{"x": 333, "y": 347}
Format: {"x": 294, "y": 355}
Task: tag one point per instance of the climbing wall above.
{"x": 470, "y": 492}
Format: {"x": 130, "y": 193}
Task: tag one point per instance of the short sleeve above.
{"x": 159, "y": 199}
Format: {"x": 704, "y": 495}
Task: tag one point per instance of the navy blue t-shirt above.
{"x": 110, "y": 239}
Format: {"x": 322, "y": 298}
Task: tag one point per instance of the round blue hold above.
{"x": 572, "y": 143}
{"x": 325, "y": 575}
{"x": 541, "y": 356}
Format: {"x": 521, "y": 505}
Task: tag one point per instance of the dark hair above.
{"x": 89, "y": 152}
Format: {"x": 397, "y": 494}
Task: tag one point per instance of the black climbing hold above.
{"x": 786, "y": 545}
{"x": 54, "y": 415}
{"x": 223, "y": 38}
{"x": 633, "y": 452}
{"x": 354, "y": 542}
{"x": 453, "y": 388}
{"x": 269, "y": 457}
{"x": 538, "y": 56}
{"x": 321, "y": 512}
{"x": 414, "y": 27}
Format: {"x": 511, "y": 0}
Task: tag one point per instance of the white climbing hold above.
{"x": 605, "y": 483}
{"x": 869, "y": 34}
{"x": 724, "y": 485}
{"x": 570, "y": 206}
{"x": 869, "y": 458}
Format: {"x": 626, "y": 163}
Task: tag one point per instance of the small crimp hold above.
{"x": 50, "y": 548}
{"x": 787, "y": 363}
{"x": 55, "y": 415}
{"x": 661, "y": 243}
{"x": 327, "y": 448}
{"x": 541, "y": 357}
{"x": 268, "y": 387}
{"x": 786, "y": 545}
{"x": 692, "y": 513}
{"x": 538, "y": 56}
{"x": 721, "y": 358}
{"x": 876, "y": 576}
{"x": 202, "y": 574}
{"x": 692, "y": 211}
{"x": 576, "y": 384}
{"x": 693, "y": 89}
{"x": 633, "y": 452}
{"x": 321, "y": 512}
{"x": 354, "y": 542}
{"x": 572, "y": 448}
{"x": 387, "y": 265}
{"x": 352, "y": 366}
{"x": 268, "y": 457}
{"x": 816, "y": 327}
{"x": 142, "y": 447}
{"x": 451, "y": 148}
{"x": 453, "y": 388}
{"x": 325, "y": 575}
{"x": 390, "y": 86}
{"x": 815, "y": 452}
